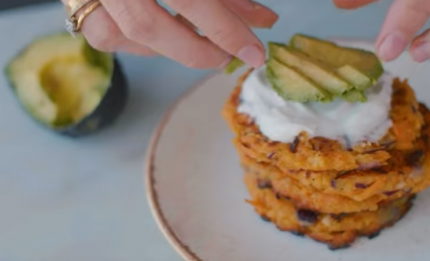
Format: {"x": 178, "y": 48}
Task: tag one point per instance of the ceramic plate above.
{"x": 195, "y": 188}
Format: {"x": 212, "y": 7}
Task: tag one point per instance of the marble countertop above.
{"x": 63, "y": 199}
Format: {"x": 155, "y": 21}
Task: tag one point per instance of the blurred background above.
{"x": 7, "y": 4}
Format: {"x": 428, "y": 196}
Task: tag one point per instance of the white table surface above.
{"x": 63, "y": 199}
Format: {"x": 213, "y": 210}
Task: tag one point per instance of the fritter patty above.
{"x": 309, "y": 198}
{"x": 337, "y": 231}
{"x": 337, "y": 192}
{"x": 322, "y": 154}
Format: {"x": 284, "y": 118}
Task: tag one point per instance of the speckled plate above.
{"x": 194, "y": 185}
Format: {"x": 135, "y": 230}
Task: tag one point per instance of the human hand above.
{"x": 404, "y": 19}
{"x": 145, "y": 28}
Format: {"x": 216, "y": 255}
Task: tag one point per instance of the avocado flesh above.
{"x": 338, "y": 56}
{"x": 318, "y": 72}
{"x": 292, "y": 85}
{"x": 74, "y": 86}
{"x": 359, "y": 80}
{"x": 354, "y": 95}
{"x": 60, "y": 79}
{"x": 235, "y": 64}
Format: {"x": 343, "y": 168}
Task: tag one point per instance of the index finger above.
{"x": 222, "y": 27}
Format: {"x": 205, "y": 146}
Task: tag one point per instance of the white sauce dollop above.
{"x": 349, "y": 123}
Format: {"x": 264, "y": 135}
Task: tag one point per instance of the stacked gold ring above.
{"x": 74, "y": 22}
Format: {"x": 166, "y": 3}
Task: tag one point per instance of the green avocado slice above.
{"x": 323, "y": 75}
{"x": 359, "y": 80}
{"x": 354, "y": 96}
{"x": 337, "y": 56}
{"x": 235, "y": 64}
{"x": 292, "y": 85}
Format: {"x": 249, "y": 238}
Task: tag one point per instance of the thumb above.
{"x": 404, "y": 19}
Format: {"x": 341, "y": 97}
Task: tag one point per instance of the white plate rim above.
{"x": 149, "y": 179}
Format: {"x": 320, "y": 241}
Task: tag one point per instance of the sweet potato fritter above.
{"x": 338, "y": 231}
{"x": 322, "y": 154}
{"x": 408, "y": 172}
{"x": 317, "y": 187}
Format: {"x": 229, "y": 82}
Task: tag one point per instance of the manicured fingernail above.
{"x": 225, "y": 63}
{"x": 392, "y": 46}
{"x": 252, "y": 55}
{"x": 421, "y": 52}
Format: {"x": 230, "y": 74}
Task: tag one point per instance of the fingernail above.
{"x": 421, "y": 52}
{"x": 247, "y": 5}
{"x": 225, "y": 63}
{"x": 267, "y": 16}
{"x": 256, "y": 14}
{"x": 256, "y": 5}
{"x": 252, "y": 55}
{"x": 392, "y": 46}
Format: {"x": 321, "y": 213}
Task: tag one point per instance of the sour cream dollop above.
{"x": 350, "y": 123}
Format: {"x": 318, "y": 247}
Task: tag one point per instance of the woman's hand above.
{"x": 143, "y": 27}
{"x": 405, "y": 18}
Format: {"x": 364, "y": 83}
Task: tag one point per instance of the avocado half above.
{"x": 68, "y": 86}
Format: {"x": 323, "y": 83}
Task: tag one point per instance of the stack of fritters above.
{"x": 331, "y": 192}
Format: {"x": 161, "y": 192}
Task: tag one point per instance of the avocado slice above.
{"x": 359, "y": 80}
{"x": 354, "y": 96}
{"x": 292, "y": 85}
{"x": 66, "y": 85}
{"x": 337, "y": 56}
{"x": 318, "y": 72}
{"x": 235, "y": 64}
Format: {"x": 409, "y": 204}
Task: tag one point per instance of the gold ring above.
{"x": 73, "y": 6}
{"x": 87, "y": 11}
{"x": 73, "y": 24}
